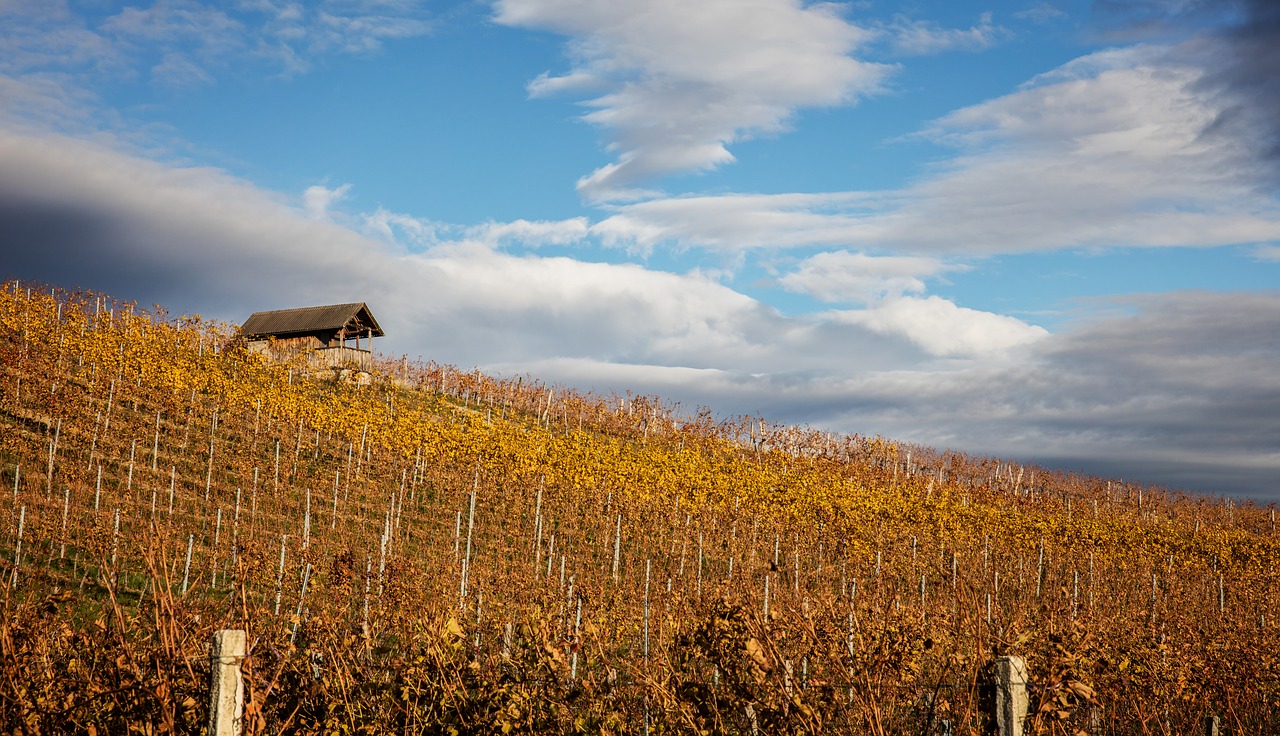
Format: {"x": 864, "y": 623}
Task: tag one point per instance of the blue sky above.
{"x": 1048, "y": 231}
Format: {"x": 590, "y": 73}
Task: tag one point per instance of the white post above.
{"x": 1011, "y": 695}
{"x": 226, "y": 683}
{"x": 617, "y": 547}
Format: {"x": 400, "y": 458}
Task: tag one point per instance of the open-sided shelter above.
{"x": 324, "y": 333}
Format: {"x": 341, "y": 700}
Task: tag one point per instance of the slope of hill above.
{"x": 444, "y": 551}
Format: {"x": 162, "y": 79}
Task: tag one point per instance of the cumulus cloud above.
{"x": 845, "y": 277}
{"x": 944, "y": 329}
{"x": 680, "y": 83}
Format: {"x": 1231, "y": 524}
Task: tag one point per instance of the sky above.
{"x": 1041, "y": 230}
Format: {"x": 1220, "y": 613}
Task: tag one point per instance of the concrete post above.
{"x": 1011, "y": 695}
{"x": 1211, "y": 726}
{"x": 226, "y": 684}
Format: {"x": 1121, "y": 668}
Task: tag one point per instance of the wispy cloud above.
{"x": 532, "y": 233}
{"x": 398, "y": 227}
{"x": 1040, "y": 13}
{"x": 915, "y": 37}
{"x": 745, "y": 221}
{"x": 179, "y": 43}
{"x": 318, "y": 198}
{"x": 1267, "y": 252}
{"x": 1119, "y": 148}
{"x": 682, "y": 82}
{"x": 172, "y": 21}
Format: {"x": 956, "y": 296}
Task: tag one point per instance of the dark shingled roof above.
{"x": 285, "y": 322}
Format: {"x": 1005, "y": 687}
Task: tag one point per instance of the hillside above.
{"x": 443, "y": 551}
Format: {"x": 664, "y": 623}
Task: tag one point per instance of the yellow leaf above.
{"x": 451, "y": 627}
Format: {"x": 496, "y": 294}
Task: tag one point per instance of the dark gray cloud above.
{"x": 1251, "y": 75}
{"x": 195, "y": 240}
{"x": 1179, "y": 389}
{"x": 1182, "y": 392}
{"x": 1129, "y": 20}
{"x": 61, "y": 243}
{"x": 1238, "y": 44}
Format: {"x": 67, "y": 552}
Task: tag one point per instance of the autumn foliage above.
{"x": 442, "y": 551}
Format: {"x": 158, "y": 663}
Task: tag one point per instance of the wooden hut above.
{"x": 323, "y": 334}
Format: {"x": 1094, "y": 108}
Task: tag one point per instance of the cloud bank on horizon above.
{"x": 806, "y": 211}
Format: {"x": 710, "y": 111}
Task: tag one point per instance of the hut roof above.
{"x": 284, "y": 322}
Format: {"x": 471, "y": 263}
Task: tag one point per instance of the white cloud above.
{"x": 846, "y": 277}
{"x": 545, "y": 85}
{"x": 1040, "y": 13}
{"x": 532, "y": 233}
{"x": 1267, "y": 252}
{"x": 743, "y": 221}
{"x": 187, "y": 42}
{"x": 362, "y": 33}
{"x": 683, "y": 81}
{"x": 397, "y": 227}
{"x": 943, "y": 329}
{"x": 178, "y": 70}
{"x": 43, "y": 101}
{"x": 922, "y": 37}
{"x": 47, "y": 36}
{"x": 1108, "y": 150}
{"x": 176, "y": 21}
{"x": 317, "y": 198}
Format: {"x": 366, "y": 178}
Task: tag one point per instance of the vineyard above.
{"x": 441, "y": 551}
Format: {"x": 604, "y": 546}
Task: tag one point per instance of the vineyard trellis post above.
{"x": 1011, "y": 695}
{"x": 226, "y": 683}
